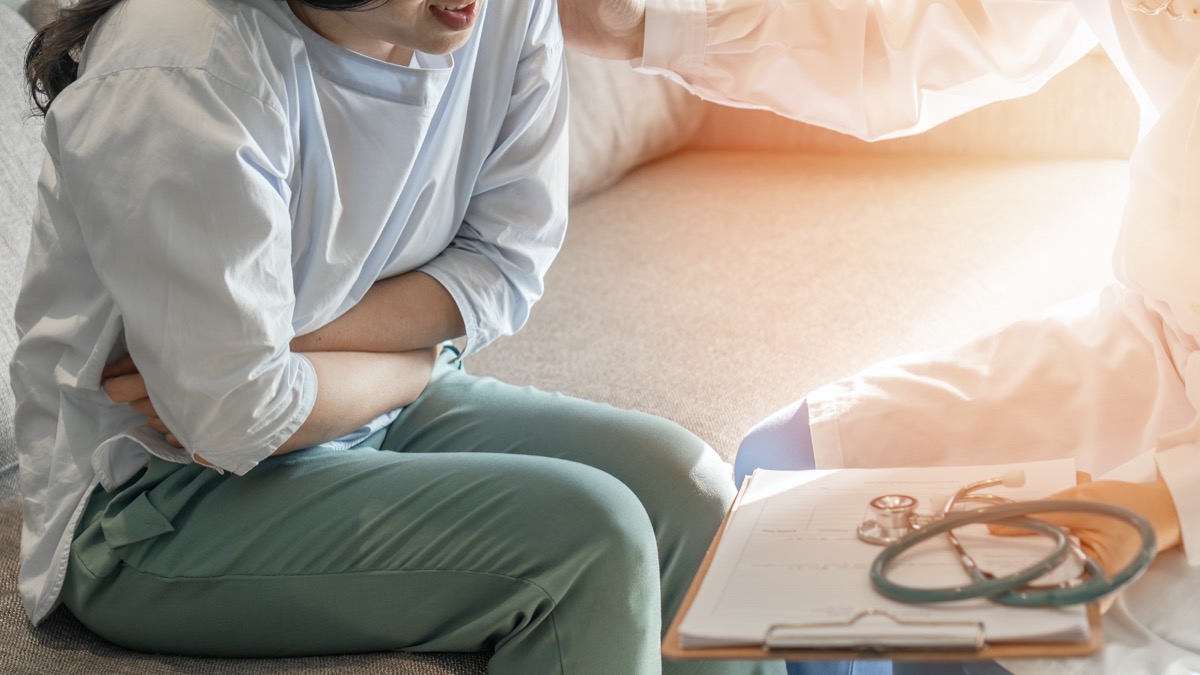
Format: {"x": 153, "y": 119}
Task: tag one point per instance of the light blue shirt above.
{"x": 221, "y": 179}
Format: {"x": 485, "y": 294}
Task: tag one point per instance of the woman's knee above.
{"x": 670, "y": 455}
{"x": 593, "y": 518}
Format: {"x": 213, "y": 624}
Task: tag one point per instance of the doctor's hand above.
{"x": 1109, "y": 541}
{"x": 609, "y": 29}
{"x": 124, "y": 384}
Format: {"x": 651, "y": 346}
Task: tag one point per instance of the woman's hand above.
{"x": 124, "y": 384}
{"x": 1111, "y": 542}
{"x": 609, "y": 29}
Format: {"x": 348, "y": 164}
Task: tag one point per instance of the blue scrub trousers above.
{"x": 558, "y": 533}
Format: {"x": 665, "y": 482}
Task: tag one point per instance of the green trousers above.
{"x": 555, "y": 532}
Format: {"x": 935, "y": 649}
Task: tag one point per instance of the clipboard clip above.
{"x": 874, "y": 630}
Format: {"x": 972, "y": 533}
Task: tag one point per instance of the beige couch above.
{"x": 746, "y": 260}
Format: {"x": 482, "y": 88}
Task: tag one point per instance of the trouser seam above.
{"x": 190, "y": 577}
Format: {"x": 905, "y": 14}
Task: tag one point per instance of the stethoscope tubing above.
{"x": 1012, "y": 589}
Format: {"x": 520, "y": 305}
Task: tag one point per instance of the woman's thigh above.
{"x": 340, "y": 551}
{"x": 654, "y": 457}
{"x": 681, "y": 482}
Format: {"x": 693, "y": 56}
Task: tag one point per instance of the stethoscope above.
{"x": 897, "y": 525}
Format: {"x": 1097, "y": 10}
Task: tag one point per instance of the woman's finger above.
{"x": 125, "y": 388}
{"x": 122, "y": 366}
{"x": 131, "y": 390}
{"x": 143, "y": 407}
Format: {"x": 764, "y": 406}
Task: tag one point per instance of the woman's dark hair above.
{"x": 52, "y": 61}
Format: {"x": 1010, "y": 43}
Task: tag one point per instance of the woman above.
{"x": 1114, "y": 381}
{"x": 258, "y": 221}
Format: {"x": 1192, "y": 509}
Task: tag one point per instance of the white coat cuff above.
{"x": 1180, "y": 470}
{"x": 825, "y": 407}
{"x": 676, "y": 32}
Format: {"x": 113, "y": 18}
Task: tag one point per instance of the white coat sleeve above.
{"x": 178, "y": 179}
{"x": 1160, "y": 229}
{"x": 871, "y": 68}
{"x": 1156, "y": 255}
{"x": 517, "y": 215}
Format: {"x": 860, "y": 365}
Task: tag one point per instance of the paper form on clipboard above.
{"x": 790, "y": 564}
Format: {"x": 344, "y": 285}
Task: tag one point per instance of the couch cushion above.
{"x": 712, "y": 288}
{"x": 19, "y": 162}
{"x": 621, "y": 119}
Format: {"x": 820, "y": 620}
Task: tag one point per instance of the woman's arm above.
{"x": 484, "y": 283}
{"x": 428, "y": 311}
{"x": 354, "y": 388}
{"x": 516, "y": 216}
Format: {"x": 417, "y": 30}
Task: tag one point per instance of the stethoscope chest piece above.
{"x": 892, "y": 518}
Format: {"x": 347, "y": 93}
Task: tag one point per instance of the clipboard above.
{"x": 894, "y": 639}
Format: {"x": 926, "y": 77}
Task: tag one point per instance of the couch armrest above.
{"x": 20, "y": 159}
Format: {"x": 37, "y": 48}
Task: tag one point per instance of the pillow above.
{"x": 621, "y": 119}
{"x": 20, "y": 160}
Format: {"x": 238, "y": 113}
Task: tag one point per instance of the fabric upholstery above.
{"x": 20, "y": 160}
{"x": 39, "y": 12}
{"x": 713, "y": 288}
